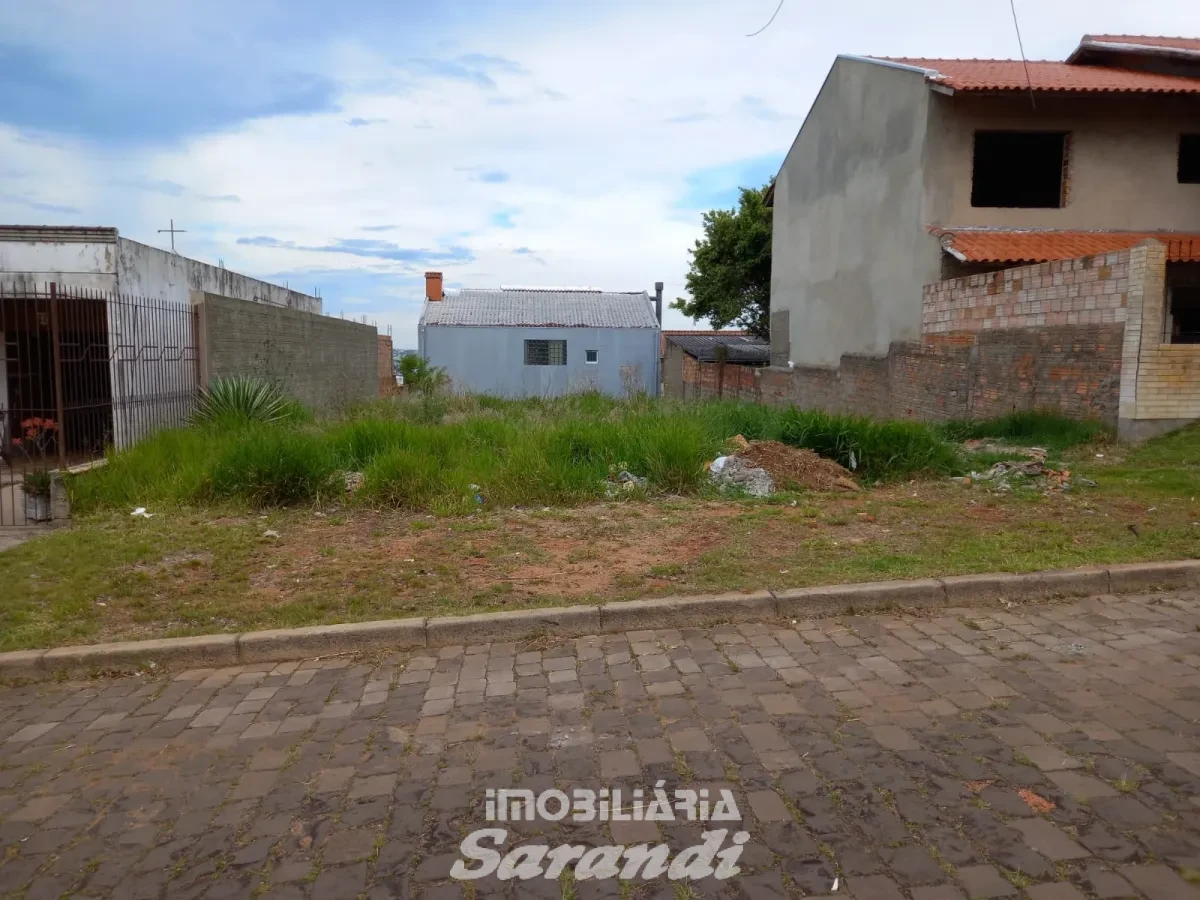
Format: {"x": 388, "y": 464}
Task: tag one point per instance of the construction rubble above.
{"x": 1032, "y": 473}
{"x": 761, "y": 467}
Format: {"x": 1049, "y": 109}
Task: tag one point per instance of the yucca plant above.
{"x": 242, "y": 398}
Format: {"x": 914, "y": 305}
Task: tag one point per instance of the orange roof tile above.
{"x": 1146, "y": 40}
{"x": 1040, "y": 246}
{"x": 1010, "y": 75}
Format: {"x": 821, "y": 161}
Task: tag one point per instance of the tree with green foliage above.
{"x": 730, "y": 274}
{"x": 420, "y": 376}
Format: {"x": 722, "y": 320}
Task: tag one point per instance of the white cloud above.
{"x": 605, "y": 115}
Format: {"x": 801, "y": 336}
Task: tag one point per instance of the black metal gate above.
{"x": 80, "y": 371}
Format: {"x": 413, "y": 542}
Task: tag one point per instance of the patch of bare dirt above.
{"x": 798, "y": 466}
{"x": 176, "y": 561}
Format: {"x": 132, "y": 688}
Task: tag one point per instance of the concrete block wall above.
{"x": 325, "y": 363}
{"x": 1090, "y": 290}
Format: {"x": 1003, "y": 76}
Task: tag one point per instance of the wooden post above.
{"x": 56, "y": 342}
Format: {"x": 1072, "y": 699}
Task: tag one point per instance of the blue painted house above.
{"x": 530, "y": 342}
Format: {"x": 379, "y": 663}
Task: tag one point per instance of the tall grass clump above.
{"x": 416, "y": 480}
{"x": 673, "y": 449}
{"x": 876, "y": 450}
{"x": 753, "y": 421}
{"x": 170, "y": 467}
{"x": 272, "y": 466}
{"x": 1039, "y": 428}
{"x": 239, "y": 399}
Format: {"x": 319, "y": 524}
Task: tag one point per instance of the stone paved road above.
{"x": 903, "y": 755}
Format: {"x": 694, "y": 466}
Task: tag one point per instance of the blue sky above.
{"x": 348, "y": 147}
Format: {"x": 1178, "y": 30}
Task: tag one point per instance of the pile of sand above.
{"x": 794, "y": 466}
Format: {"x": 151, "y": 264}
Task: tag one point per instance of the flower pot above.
{"x": 37, "y": 508}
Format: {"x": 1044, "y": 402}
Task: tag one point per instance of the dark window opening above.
{"x": 1189, "y": 159}
{"x": 1184, "y": 318}
{"x": 1019, "y": 169}
{"x": 591, "y": 356}
{"x": 545, "y": 353}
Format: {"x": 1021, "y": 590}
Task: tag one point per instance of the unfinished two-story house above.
{"x": 908, "y": 173}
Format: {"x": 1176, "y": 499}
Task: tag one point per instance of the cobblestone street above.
{"x": 1050, "y": 752}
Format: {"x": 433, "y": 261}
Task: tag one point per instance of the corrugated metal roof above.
{"x": 542, "y": 309}
{"x": 1002, "y": 246}
{"x": 703, "y": 345}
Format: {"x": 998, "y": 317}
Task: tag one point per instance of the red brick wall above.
{"x": 387, "y": 380}
{"x": 1047, "y": 336}
{"x": 1073, "y": 370}
{"x": 704, "y": 381}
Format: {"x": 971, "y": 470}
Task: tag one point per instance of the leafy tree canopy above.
{"x": 730, "y": 274}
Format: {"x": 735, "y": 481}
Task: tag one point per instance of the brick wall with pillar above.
{"x": 1160, "y": 381}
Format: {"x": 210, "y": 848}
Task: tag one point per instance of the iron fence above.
{"x": 82, "y": 370}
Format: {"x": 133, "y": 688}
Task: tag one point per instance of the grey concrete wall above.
{"x": 83, "y": 260}
{"x": 1122, "y": 160}
{"x": 491, "y": 360}
{"x": 672, "y": 373}
{"x": 149, "y": 272}
{"x": 99, "y": 259}
{"x": 323, "y": 362}
{"x": 849, "y": 251}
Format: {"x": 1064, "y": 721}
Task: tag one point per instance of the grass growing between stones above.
{"x": 192, "y": 570}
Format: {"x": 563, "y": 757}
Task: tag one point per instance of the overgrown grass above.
{"x": 1037, "y": 428}
{"x": 220, "y": 568}
{"x": 452, "y": 455}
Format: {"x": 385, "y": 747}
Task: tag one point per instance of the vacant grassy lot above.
{"x": 220, "y": 553}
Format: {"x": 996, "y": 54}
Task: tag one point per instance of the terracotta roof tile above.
{"x": 1009, "y": 75}
{"x": 1040, "y": 246}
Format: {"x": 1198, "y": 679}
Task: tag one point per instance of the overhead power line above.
{"x": 769, "y": 21}
{"x": 1012, "y": 4}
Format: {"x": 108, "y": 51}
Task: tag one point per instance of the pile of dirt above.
{"x": 798, "y": 466}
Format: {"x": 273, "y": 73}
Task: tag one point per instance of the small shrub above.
{"x": 36, "y": 483}
{"x": 229, "y": 402}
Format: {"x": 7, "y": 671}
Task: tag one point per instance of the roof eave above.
{"x": 1087, "y": 45}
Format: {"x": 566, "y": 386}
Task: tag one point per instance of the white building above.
{"x": 100, "y": 259}
{"x": 119, "y": 328}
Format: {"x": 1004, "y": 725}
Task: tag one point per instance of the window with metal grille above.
{"x": 1024, "y": 169}
{"x": 545, "y": 353}
{"x": 590, "y": 356}
{"x": 1189, "y": 159}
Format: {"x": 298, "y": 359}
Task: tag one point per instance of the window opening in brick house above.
{"x": 545, "y": 353}
{"x": 1183, "y": 316}
{"x": 1023, "y": 169}
{"x": 591, "y": 356}
{"x": 1189, "y": 159}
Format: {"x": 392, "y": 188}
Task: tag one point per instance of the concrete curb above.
{"x": 574, "y": 621}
